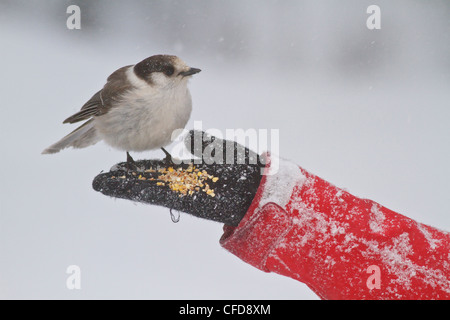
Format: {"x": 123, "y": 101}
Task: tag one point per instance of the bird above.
{"x": 138, "y": 108}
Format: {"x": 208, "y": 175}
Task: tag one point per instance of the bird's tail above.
{"x": 82, "y": 137}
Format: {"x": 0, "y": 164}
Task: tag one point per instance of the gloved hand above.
{"x": 295, "y": 223}
{"x": 209, "y": 188}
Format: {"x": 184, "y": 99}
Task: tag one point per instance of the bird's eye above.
{"x": 169, "y": 70}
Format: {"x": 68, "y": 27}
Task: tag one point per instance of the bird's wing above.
{"x": 88, "y": 110}
{"x": 101, "y": 102}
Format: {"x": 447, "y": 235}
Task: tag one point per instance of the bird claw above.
{"x": 168, "y": 161}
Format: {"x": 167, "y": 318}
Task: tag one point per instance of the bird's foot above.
{"x": 130, "y": 165}
{"x": 168, "y": 158}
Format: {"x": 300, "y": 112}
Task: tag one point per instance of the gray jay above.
{"x": 137, "y": 110}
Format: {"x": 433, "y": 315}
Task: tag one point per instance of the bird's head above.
{"x": 162, "y": 71}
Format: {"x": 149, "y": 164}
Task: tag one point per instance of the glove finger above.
{"x": 212, "y": 149}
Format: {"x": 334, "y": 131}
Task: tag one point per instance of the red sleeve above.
{"x": 341, "y": 246}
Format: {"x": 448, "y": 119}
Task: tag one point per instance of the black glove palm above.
{"x": 215, "y": 190}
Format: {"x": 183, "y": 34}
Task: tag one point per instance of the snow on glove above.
{"x": 218, "y": 186}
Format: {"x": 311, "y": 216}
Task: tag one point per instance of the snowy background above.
{"x": 367, "y": 110}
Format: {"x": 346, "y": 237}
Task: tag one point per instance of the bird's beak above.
{"x": 189, "y": 72}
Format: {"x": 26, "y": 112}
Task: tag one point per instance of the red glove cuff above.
{"x": 341, "y": 246}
